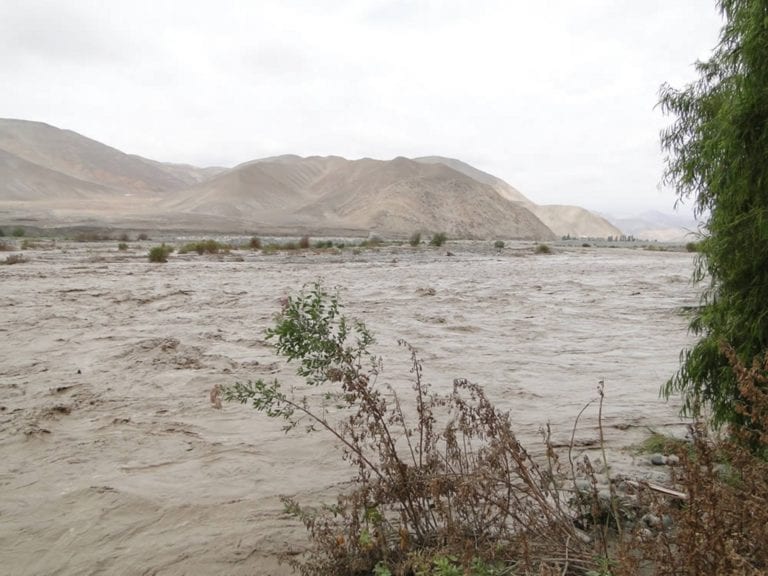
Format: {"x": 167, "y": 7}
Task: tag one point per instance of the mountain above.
{"x": 87, "y": 160}
{"x": 574, "y": 221}
{"x": 562, "y": 220}
{"x": 507, "y": 191}
{"x": 398, "y": 196}
{"x": 24, "y": 181}
{"x": 654, "y": 225}
{"x": 56, "y": 176}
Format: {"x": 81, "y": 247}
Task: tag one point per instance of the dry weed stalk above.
{"x": 468, "y": 488}
{"x": 722, "y": 527}
{"x": 446, "y": 487}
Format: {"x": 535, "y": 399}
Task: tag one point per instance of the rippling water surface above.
{"x": 117, "y": 463}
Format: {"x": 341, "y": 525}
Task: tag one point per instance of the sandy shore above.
{"x": 116, "y": 463}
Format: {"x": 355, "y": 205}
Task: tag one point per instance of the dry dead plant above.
{"x": 722, "y": 527}
{"x": 443, "y": 487}
{"x": 464, "y": 489}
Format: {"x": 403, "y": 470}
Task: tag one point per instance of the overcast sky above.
{"x": 556, "y": 97}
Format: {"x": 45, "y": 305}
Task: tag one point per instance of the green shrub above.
{"x": 438, "y": 239}
{"x": 662, "y": 444}
{"x": 122, "y": 246}
{"x": 543, "y": 249}
{"x": 692, "y": 247}
{"x": 499, "y": 244}
{"x": 18, "y": 232}
{"x": 204, "y": 247}
{"x": 323, "y": 244}
{"x": 372, "y": 242}
{"x": 255, "y": 243}
{"x": 1, "y": 233}
{"x": 415, "y": 239}
{"x": 160, "y": 253}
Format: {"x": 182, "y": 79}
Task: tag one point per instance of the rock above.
{"x": 658, "y": 459}
{"x": 583, "y": 485}
{"x": 651, "y": 520}
{"x": 673, "y": 460}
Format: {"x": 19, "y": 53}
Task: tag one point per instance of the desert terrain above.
{"x": 51, "y": 177}
{"x": 115, "y": 461}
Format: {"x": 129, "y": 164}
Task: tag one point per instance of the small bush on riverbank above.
{"x": 442, "y": 486}
{"x": 466, "y": 492}
{"x": 438, "y": 239}
{"x": 160, "y": 253}
{"x": 204, "y": 247}
{"x": 543, "y": 249}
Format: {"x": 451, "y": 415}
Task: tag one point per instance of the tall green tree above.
{"x": 718, "y": 156}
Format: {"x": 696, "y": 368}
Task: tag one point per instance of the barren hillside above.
{"x": 79, "y": 157}
{"x": 562, "y": 220}
{"x": 575, "y": 222}
{"x": 507, "y": 191}
{"x": 24, "y": 181}
{"x": 52, "y": 177}
{"x": 398, "y": 197}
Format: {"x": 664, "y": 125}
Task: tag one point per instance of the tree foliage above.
{"x": 718, "y": 156}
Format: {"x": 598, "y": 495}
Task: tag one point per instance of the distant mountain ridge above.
{"x": 654, "y": 225}
{"x": 61, "y": 177}
{"x": 398, "y": 196}
{"x": 572, "y": 221}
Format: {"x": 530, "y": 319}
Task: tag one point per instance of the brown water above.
{"x": 114, "y": 461}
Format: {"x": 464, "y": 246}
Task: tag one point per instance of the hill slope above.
{"x": 399, "y": 196}
{"x": 562, "y": 220}
{"x": 50, "y": 172}
{"x": 575, "y": 222}
{"x": 87, "y": 160}
{"x": 24, "y": 181}
{"x": 503, "y": 188}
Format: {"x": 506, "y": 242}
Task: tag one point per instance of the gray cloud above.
{"x": 556, "y": 97}
{"x": 47, "y": 33}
